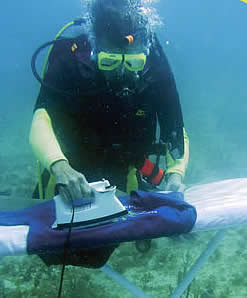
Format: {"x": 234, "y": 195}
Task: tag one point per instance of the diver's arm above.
{"x": 43, "y": 140}
{"x": 170, "y": 113}
{"x": 71, "y": 184}
{"x": 178, "y": 166}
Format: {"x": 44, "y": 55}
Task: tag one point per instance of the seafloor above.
{"x": 157, "y": 272}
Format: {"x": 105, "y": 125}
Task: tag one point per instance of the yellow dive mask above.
{"x": 132, "y": 62}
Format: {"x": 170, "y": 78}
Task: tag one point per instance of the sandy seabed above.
{"x": 157, "y": 272}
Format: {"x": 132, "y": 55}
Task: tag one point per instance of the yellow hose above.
{"x": 51, "y": 47}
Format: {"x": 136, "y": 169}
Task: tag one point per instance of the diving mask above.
{"x": 111, "y": 61}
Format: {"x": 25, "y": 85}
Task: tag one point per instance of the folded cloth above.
{"x": 151, "y": 215}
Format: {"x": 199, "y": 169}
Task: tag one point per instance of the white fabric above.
{"x": 13, "y": 240}
{"x": 220, "y": 204}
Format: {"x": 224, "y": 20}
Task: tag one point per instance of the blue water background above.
{"x": 206, "y": 44}
{"x": 207, "y": 51}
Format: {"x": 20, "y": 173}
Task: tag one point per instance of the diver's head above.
{"x": 123, "y": 37}
{"x": 120, "y": 24}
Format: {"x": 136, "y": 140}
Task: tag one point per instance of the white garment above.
{"x": 13, "y": 240}
{"x": 220, "y": 204}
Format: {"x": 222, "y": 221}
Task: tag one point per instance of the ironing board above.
{"x": 219, "y": 205}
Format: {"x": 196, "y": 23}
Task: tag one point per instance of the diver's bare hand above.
{"x": 72, "y": 185}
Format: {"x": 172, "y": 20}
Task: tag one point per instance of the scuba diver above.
{"x": 108, "y": 101}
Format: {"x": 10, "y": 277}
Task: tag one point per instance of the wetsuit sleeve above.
{"x": 43, "y": 140}
{"x": 42, "y": 137}
{"x": 179, "y": 165}
{"x": 51, "y": 106}
{"x": 170, "y": 116}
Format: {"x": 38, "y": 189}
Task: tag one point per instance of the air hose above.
{"x": 50, "y": 44}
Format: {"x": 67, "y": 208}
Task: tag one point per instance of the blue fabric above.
{"x": 151, "y": 215}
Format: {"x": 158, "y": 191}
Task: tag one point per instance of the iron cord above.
{"x": 66, "y": 249}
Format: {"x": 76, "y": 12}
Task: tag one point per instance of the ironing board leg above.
{"x": 212, "y": 245}
{"x": 122, "y": 281}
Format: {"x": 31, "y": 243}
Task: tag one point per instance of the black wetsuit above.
{"x": 100, "y": 132}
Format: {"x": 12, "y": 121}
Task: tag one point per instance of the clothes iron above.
{"x": 101, "y": 209}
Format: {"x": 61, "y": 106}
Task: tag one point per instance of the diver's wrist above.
{"x": 58, "y": 165}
